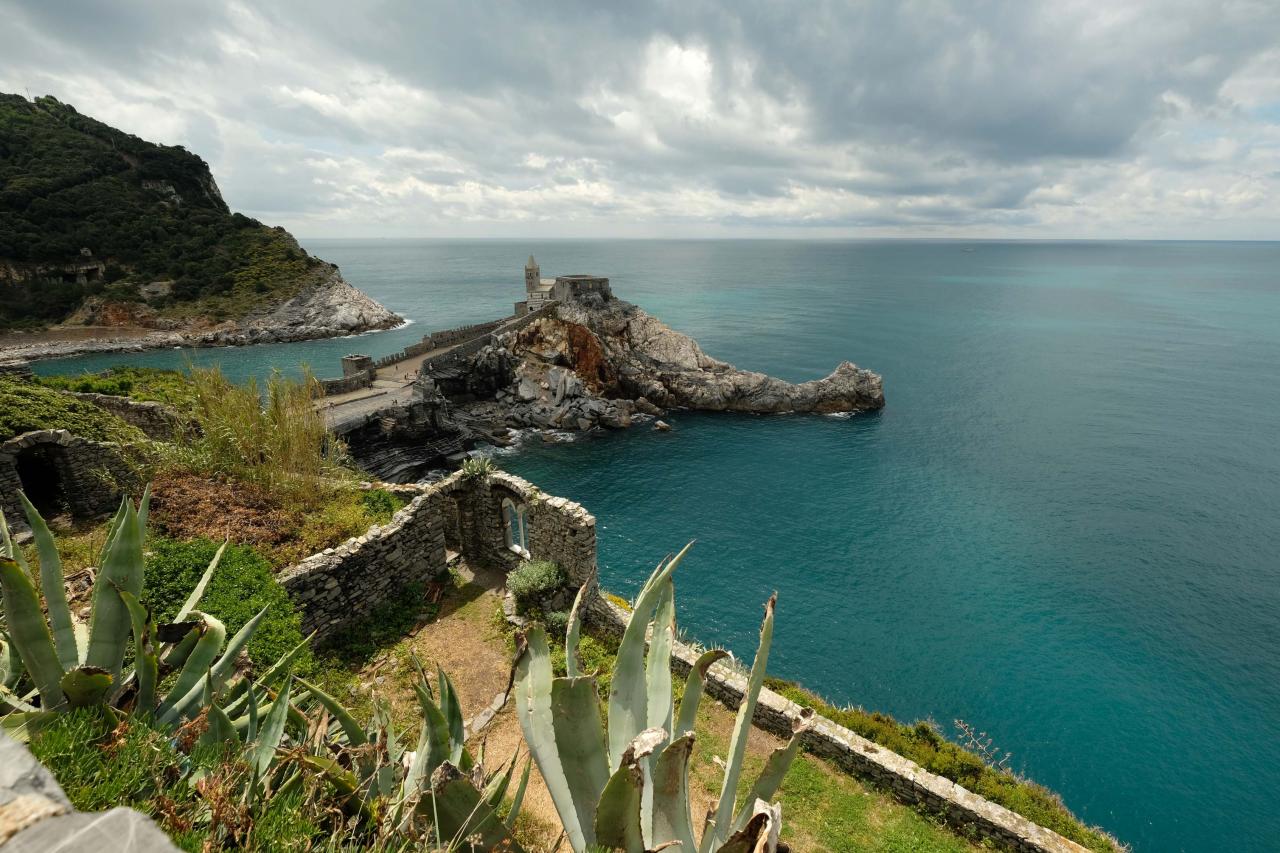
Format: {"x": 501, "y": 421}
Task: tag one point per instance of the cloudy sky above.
{"x": 1068, "y": 118}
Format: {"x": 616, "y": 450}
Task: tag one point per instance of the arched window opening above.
{"x": 513, "y": 527}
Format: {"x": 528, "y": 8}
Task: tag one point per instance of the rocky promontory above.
{"x": 599, "y": 361}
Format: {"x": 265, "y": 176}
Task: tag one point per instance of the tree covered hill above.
{"x": 90, "y": 211}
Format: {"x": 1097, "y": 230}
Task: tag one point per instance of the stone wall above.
{"x": 341, "y": 585}
{"x": 904, "y": 779}
{"x": 157, "y": 420}
{"x": 347, "y": 384}
{"x": 344, "y": 584}
{"x": 90, "y": 476}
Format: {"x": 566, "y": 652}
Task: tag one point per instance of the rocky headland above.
{"x": 587, "y": 361}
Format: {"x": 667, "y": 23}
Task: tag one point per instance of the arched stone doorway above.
{"x": 41, "y": 472}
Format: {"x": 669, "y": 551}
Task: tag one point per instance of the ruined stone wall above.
{"x": 343, "y": 584}
{"x": 157, "y": 420}
{"x": 904, "y": 779}
{"x": 346, "y": 384}
{"x": 92, "y": 475}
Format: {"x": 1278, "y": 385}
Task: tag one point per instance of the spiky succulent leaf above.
{"x": 723, "y": 820}
{"x": 461, "y": 814}
{"x": 185, "y": 692}
{"x": 146, "y": 666}
{"x": 517, "y": 799}
{"x": 693, "y": 687}
{"x": 451, "y": 709}
{"x": 122, "y": 568}
{"x": 355, "y": 734}
{"x": 30, "y": 634}
{"x": 575, "y": 627}
{"x": 221, "y": 729}
{"x": 55, "y": 594}
{"x": 533, "y": 675}
{"x": 672, "y": 819}
{"x": 86, "y": 686}
{"x": 617, "y": 818}
{"x": 775, "y": 768}
{"x": 628, "y": 701}
{"x": 193, "y": 600}
{"x": 579, "y": 734}
{"x": 264, "y": 749}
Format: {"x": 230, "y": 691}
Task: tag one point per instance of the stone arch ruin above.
{"x": 61, "y": 474}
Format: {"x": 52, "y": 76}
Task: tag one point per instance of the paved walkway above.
{"x": 393, "y": 386}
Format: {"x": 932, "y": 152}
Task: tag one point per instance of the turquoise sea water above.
{"x": 1063, "y": 528}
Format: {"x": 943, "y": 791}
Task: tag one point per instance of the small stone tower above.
{"x": 532, "y": 275}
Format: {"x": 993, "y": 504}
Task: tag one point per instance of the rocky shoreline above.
{"x": 329, "y": 307}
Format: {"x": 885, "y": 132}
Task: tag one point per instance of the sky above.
{"x": 740, "y": 118}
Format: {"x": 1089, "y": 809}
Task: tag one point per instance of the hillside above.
{"x": 101, "y": 228}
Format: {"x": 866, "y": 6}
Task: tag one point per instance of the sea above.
{"x": 1063, "y": 528}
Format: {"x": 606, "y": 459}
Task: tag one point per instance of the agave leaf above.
{"x": 122, "y": 568}
{"x": 221, "y": 729}
{"x": 10, "y": 662}
{"x": 517, "y": 799}
{"x": 180, "y": 650}
{"x": 21, "y": 725}
{"x": 355, "y": 735}
{"x": 617, "y": 819}
{"x": 759, "y": 834}
{"x": 533, "y": 707}
{"x": 236, "y": 697}
{"x": 10, "y": 701}
{"x": 719, "y": 833}
{"x": 658, "y": 667}
{"x": 264, "y": 750}
{"x": 460, "y": 814}
{"x": 185, "y": 692}
{"x": 146, "y": 667}
{"x": 433, "y": 743}
{"x": 775, "y": 768}
{"x": 575, "y": 716}
{"x": 672, "y": 820}
{"x": 575, "y": 628}
{"x": 496, "y": 788}
{"x": 451, "y": 708}
{"x": 7, "y": 547}
{"x": 86, "y": 686}
{"x": 196, "y": 594}
{"x": 343, "y": 781}
{"x": 693, "y": 689}
{"x": 252, "y": 734}
{"x": 144, "y": 511}
{"x": 29, "y": 633}
{"x": 55, "y": 594}
{"x": 628, "y": 701}
{"x": 226, "y": 664}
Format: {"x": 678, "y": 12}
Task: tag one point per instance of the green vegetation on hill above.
{"x": 150, "y": 212}
{"x": 137, "y": 383}
{"x": 26, "y": 406}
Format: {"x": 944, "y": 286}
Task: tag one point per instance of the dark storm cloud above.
{"x": 917, "y": 116}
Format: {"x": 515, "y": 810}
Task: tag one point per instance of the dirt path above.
{"x": 466, "y": 641}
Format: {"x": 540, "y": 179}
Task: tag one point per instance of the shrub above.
{"x": 27, "y": 406}
{"x": 533, "y": 581}
{"x": 138, "y": 383}
{"x": 241, "y": 586}
{"x": 380, "y": 504}
{"x": 478, "y": 467}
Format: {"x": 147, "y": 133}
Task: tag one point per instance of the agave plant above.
{"x": 67, "y": 664}
{"x": 436, "y": 792}
{"x": 629, "y": 789}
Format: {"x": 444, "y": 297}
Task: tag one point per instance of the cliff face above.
{"x": 101, "y": 229}
{"x": 600, "y": 362}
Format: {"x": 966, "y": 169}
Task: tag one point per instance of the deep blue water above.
{"x": 1063, "y": 528}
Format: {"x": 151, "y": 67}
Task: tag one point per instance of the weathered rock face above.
{"x": 328, "y": 308}
{"x": 596, "y": 363}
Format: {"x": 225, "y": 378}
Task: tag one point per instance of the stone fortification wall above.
{"x": 341, "y": 585}
{"x": 346, "y": 384}
{"x": 90, "y": 476}
{"x": 903, "y": 778}
{"x": 157, "y": 420}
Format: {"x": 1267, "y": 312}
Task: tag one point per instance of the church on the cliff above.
{"x": 540, "y": 292}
